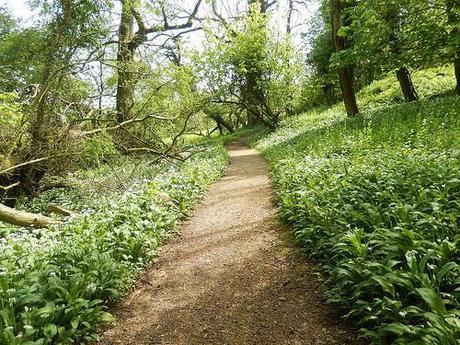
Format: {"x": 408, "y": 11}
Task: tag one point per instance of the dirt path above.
{"x": 232, "y": 277}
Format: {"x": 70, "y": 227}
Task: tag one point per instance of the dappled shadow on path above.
{"x": 232, "y": 277}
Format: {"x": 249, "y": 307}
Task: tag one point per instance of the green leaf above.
{"x": 450, "y": 266}
{"x": 107, "y": 317}
{"x": 4, "y": 285}
{"x": 395, "y": 328}
{"x": 50, "y": 330}
{"x": 433, "y": 299}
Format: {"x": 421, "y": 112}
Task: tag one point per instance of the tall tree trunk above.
{"x": 407, "y": 87}
{"x": 125, "y": 58}
{"x": 457, "y": 74}
{"x": 393, "y": 18}
{"x": 345, "y": 73}
{"x": 290, "y": 103}
{"x": 29, "y": 177}
{"x": 453, "y": 8}
{"x": 249, "y": 94}
{"x": 128, "y": 42}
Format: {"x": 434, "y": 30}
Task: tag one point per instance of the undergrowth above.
{"x": 55, "y": 283}
{"x": 375, "y": 201}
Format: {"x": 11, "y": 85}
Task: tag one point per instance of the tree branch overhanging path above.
{"x": 233, "y": 276}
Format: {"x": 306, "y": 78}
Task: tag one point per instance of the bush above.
{"x": 98, "y": 150}
{"x": 55, "y": 283}
{"x": 10, "y": 122}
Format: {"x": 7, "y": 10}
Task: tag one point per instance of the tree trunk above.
{"x": 345, "y": 73}
{"x": 453, "y": 8}
{"x": 21, "y": 218}
{"x": 30, "y": 176}
{"x": 252, "y": 92}
{"x": 348, "y": 93}
{"x": 125, "y": 58}
{"x": 222, "y": 123}
{"x": 407, "y": 87}
{"x": 328, "y": 91}
{"x": 289, "y": 80}
{"x": 219, "y": 126}
{"x": 457, "y": 74}
{"x": 254, "y": 113}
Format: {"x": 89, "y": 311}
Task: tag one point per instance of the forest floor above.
{"x": 233, "y": 276}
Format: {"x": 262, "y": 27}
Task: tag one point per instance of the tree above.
{"x": 345, "y": 72}
{"x": 71, "y": 30}
{"x": 19, "y": 54}
{"x": 245, "y": 65}
{"x": 453, "y": 14}
{"x": 432, "y": 33}
{"x": 292, "y": 8}
{"x": 385, "y": 35}
{"x": 392, "y": 18}
{"x": 252, "y": 91}
{"x": 321, "y": 85}
{"x": 128, "y": 43}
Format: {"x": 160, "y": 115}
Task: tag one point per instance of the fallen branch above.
{"x": 61, "y": 185}
{"x": 60, "y": 210}
{"x": 11, "y": 186}
{"x": 21, "y": 218}
{"x": 7, "y": 170}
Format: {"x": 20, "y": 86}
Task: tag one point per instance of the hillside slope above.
{"x": 375, "y": 200}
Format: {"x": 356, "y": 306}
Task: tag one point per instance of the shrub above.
{"x": 98, "y": 150}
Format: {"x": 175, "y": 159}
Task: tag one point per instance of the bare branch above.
{"x": 60, "y": 210}
{"x": 143, "y": 31}
{"x": 33, "y": 161}
{"x": 11, "y": 186}
{"x": 125, "y": 123}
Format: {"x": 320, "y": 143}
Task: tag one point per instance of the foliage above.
{"x": 321, "y": 84}
{"x": 55, "y": 283}
{"x": 374, "y": 200}
{"x": 98, "y": 150}
{"x": 430, "y": 83}
{"x": 252, "y": 65}
{"x": 382, "y": 36}
{"x": 170, "y": 92}
{"x": 10, "y": 121}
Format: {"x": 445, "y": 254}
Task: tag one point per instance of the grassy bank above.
{"x": 375, "y": 200}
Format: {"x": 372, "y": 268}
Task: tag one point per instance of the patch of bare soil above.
{"x": 232, "y": 277}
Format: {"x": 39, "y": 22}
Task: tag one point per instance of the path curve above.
{"x": 233, "y": 276}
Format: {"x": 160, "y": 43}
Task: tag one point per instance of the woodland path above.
{"x": 233, "y": 276}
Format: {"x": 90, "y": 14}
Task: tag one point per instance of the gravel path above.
{"x": 232, "y": 277}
